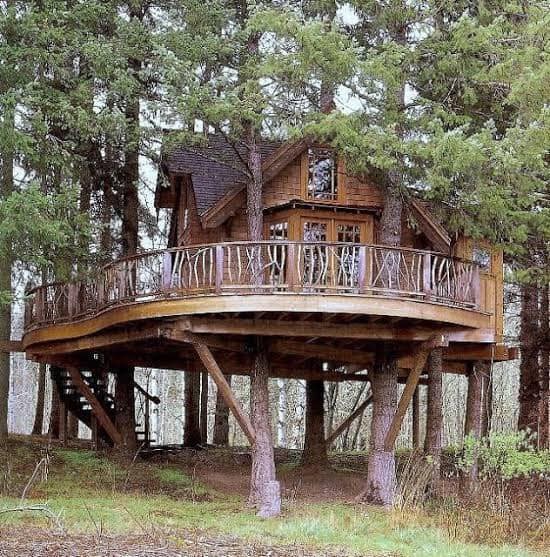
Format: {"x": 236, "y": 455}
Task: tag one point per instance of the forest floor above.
{"x": 69, "y": 502}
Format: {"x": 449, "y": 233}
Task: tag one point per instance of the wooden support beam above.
{"x": 344, "y": 426}
{"x": 369, "y": 331}
{"x": 102, "y": 340}
{"x": 11, "y": 346}
{"x": 224, "y": 389}
{"x": 97, "y": 408}
{"x": 421, "y": 357}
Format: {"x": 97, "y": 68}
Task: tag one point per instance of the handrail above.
{"x": 260, "y": 267}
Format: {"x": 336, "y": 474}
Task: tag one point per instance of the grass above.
{"x": 92, "y": 493}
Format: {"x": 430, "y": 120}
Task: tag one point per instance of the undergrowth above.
{"x": 102, "y": 494}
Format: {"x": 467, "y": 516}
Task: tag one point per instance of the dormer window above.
{"x": 322, "y": 182}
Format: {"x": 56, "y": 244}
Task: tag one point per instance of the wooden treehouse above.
{"x": 318, "y": 286}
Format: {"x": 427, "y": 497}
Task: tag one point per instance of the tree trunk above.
{"x": 315, "y": 446}
{"x": 381, "y": 478}
{"x": 53, "y": 428}
{"x": 204, "y": 407}
{"x": 192, "y": 429}
{"x": 472, "y": 426}
{"x": 486, "y": 400}
{"x": 434, "y": 422}
{"x": 72, "y": 426}
{"x": 416, "y": 419}
{"x": 529, "y": 386}
{"x": 6, "y": 189}
{"x": 264, "y": 487}
{"x": 125, "y": 413}
{"x": 221, "y": 419}
{"x": 544, "y": 411}
{"x": 39, "y": 412}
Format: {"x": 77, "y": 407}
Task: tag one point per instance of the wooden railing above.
{"x": 261, "y": 267}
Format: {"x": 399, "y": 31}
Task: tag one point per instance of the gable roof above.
{"x": 216, "y": 168}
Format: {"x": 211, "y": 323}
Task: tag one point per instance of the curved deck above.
{"x": 269, "y": 277}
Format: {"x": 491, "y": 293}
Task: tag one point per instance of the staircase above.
{"x": 79, "y": 406}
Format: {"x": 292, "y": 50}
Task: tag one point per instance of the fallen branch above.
{"x": 37, "y": 508}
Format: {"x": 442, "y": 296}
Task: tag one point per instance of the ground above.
{"x": 68, "y": 502}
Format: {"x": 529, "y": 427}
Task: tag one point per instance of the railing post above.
{"x": 166, "y": 270}
{"x": 291, "y": 267}
{"x": 219, "y": 259}
{"x": 476, "y": 286}
{"x": 427, "y": 275}
{"x": 71, "y": 298}
{"x": 363, "y": 270}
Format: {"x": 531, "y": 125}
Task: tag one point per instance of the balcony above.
{"x": 268, "y": 276}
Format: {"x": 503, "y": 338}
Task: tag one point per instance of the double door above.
{"x": 329, "y": 265}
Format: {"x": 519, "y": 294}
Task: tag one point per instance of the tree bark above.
{"x": 434, "y": 422}
{"x": 381, "y": 478}
{"x": 529, "y": 385}
{"x": 264, "y": 487}
{"x": 472, "y": 425}
{"x": 544, "y": 411}
{"x": 486, "y": 399}
{"x": 39, "y": 412}
{"x": 72, "y": 426}
{"x": 53, "y": 428}
{"x": 125, "y": 413}
{"x": 416, "y": 419}
{"x": 192, "y": 429}
{"x": 315, "y": 446}
{"x": 221, "y": 419}
{"x": 204, "y": 407}
{"x": 6, "y": 189}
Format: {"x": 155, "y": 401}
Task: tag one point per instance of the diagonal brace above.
{"x": 420, "y": 360}
{"x": 224, "y": 389}
{"x": 350, "y": 419}
{"x": 97, "y": 408}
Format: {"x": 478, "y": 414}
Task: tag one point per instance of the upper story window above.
{"x": 322, "y": 181}
{"x": 482, "y": 257}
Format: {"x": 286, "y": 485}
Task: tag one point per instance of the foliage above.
{"x": 505, "y": 456}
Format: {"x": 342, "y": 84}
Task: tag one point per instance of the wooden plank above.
{"x": 224, "y": 389}
{"x": 102, "y": 340}
{"x": 406, "y": 396}
{"x": 349, "y": 420}
{"x": 370, "y": 331}
{"x": 295, "y": 303}
{"x": 102, "y": 416}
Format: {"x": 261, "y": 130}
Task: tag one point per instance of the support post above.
{"x": 204, "y": 407}
{"x": 416, "y": 419}
{"x": 472, "y": 426}
{"x": 224, "y": 389}
{"x": 408, "y": 391}
{"x": 62, "y": 422}
{"x": 434, "y": 412}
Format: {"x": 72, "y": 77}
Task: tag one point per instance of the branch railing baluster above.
{"x": 261, "y": 267}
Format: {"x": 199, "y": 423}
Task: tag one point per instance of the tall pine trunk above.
{"x": 529, "y": 385}
{"x": 434, "y": 421}
{"x": 39, "y": 412}
{"x": 544, "y": 411}
{"x": 264, "y": 489}
{"x": 381, "y": 476}
{"x": 472, "y": 426}
{"x": 315, "y": 446}
{"x": 6, "y": 185}
{"x": 192, "y": 430}
{"x": 125, "y": 408}
{"x": 221, "y": 419}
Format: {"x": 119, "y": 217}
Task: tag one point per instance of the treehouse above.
{"x": 318, "y": 286}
